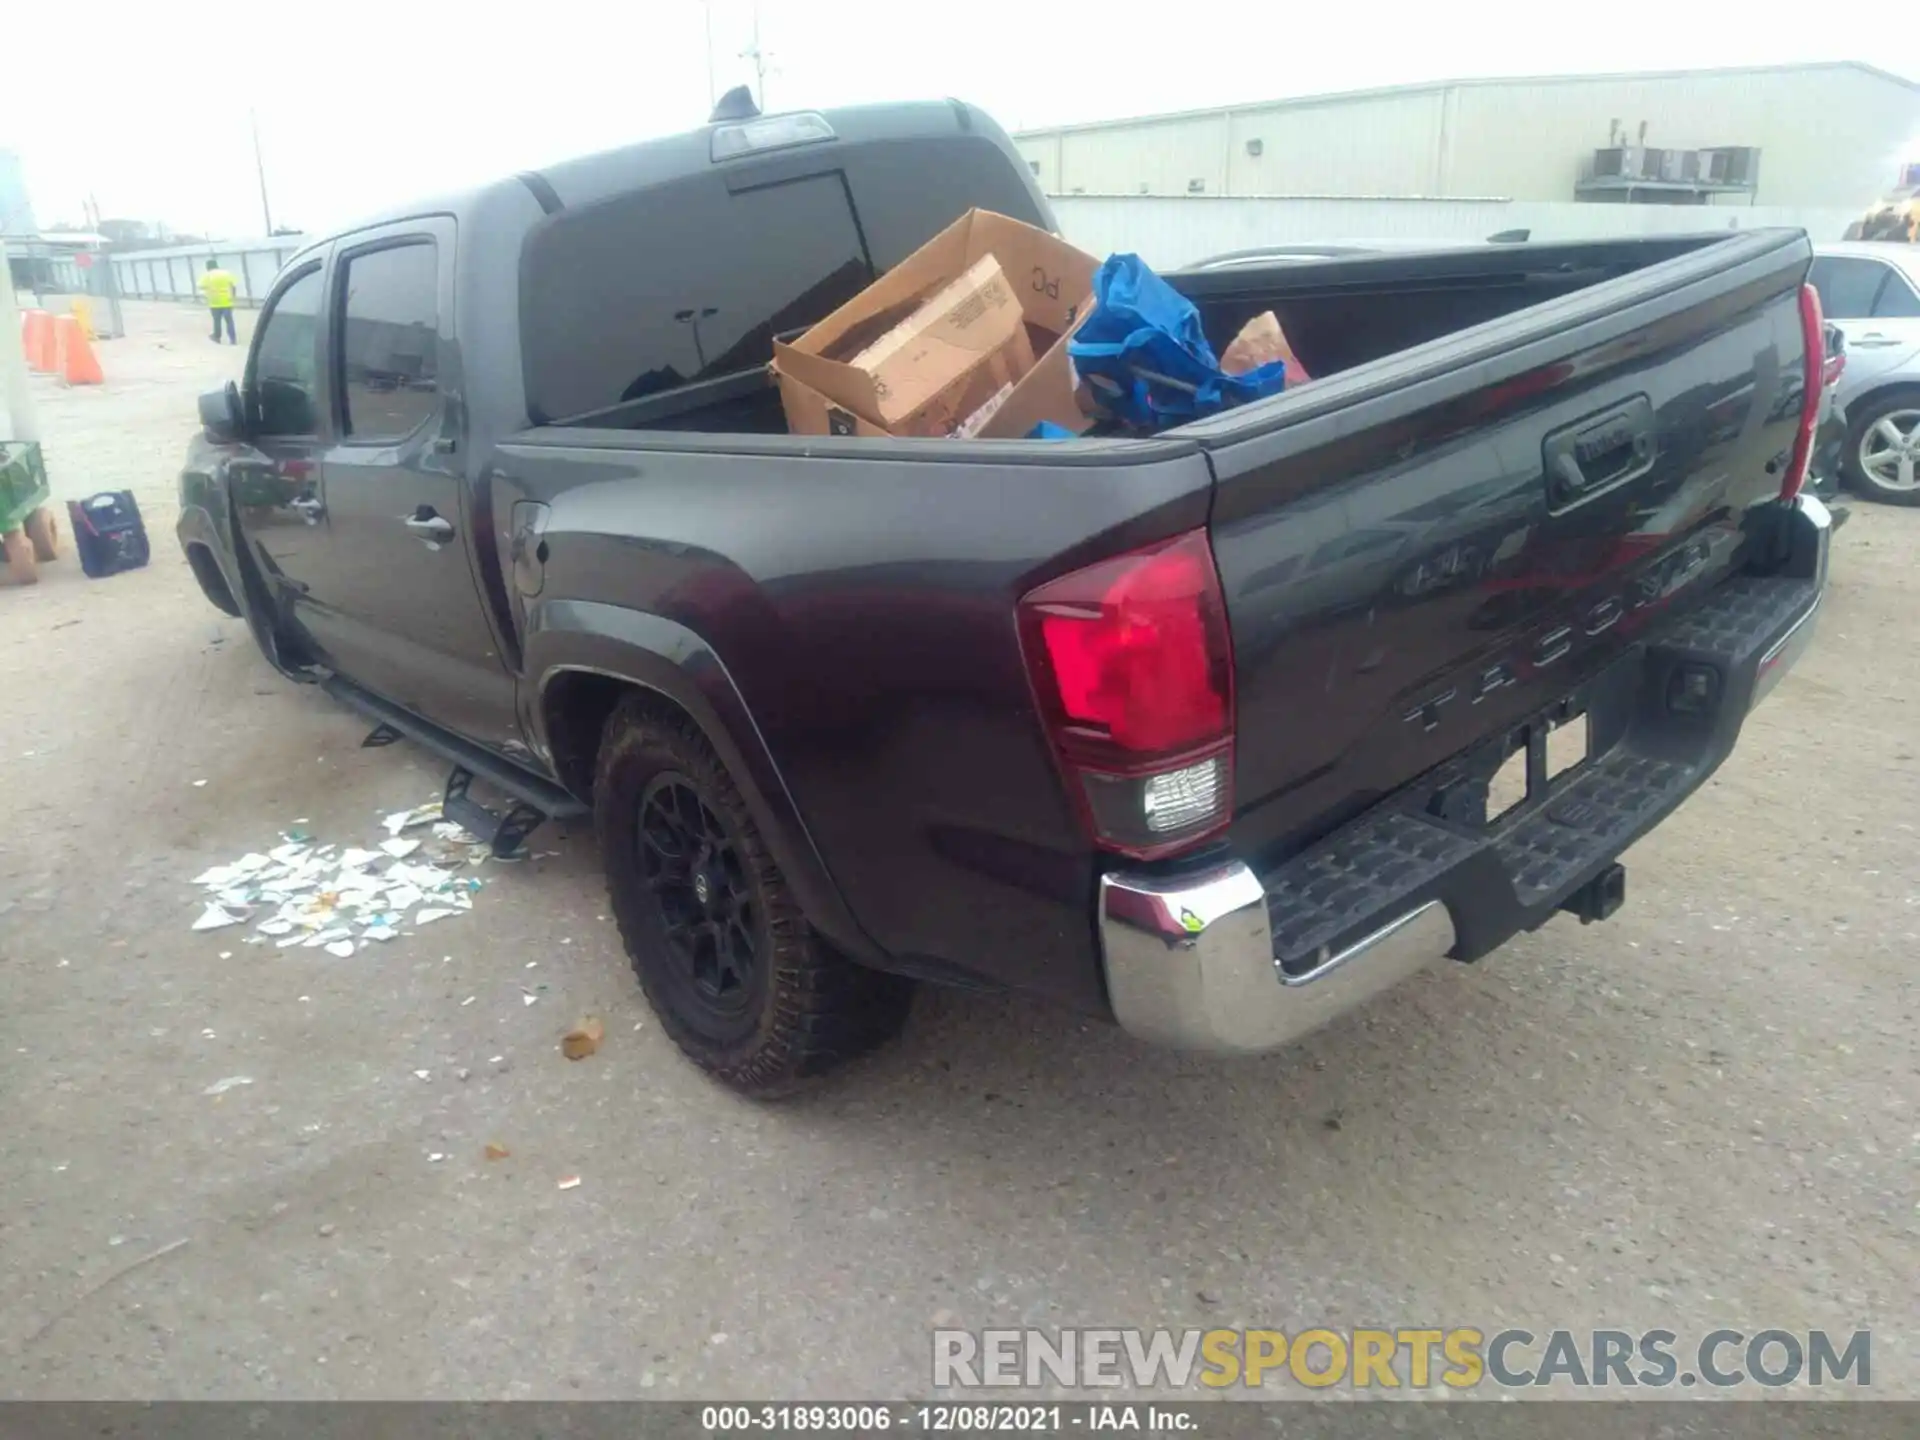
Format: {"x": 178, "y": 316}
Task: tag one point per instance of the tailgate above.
{"x": 1423, "y": 553}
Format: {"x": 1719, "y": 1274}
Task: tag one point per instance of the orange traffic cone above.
{"x": 36, "y": 338}
{"x": 74, "y": 358}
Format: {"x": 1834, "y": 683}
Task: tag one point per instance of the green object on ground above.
{"x": 23, "y": 483}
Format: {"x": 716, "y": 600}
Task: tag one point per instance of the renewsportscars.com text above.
{"x": 1460, "y": 1357}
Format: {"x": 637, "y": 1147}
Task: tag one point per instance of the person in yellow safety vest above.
{"x": 218, "y": 286}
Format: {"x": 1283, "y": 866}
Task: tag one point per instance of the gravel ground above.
{"x": 1702, "y": 1113}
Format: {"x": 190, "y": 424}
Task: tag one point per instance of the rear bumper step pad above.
{"x": 1515, "y": 873}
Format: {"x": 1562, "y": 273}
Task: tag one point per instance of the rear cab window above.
{"x": 696, "y": 277}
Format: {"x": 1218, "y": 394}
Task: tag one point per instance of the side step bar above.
{"x": 536, "y": 799}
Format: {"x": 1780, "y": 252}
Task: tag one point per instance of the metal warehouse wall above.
{"x": 1170, "y": 232}
{"x": 1830, "y": 135}
{"x": 174, "y": 273}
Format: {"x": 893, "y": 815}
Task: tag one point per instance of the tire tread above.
{"x": 823, "y": 1009}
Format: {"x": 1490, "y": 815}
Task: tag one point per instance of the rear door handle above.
{"x": 433, "y": 529}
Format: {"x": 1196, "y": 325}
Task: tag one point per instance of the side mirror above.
{"x": 220, "y": 414}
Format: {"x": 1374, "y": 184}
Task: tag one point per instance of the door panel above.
{"x": 1878, "y": 308}
{"x": 398, "y": 604}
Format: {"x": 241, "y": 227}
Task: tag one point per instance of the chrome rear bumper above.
{"x": 1190, "y": 963}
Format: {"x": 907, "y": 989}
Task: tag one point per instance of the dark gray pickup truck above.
{"x": 1212, "y": 733}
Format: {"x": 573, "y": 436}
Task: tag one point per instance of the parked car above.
{"x": 1830, "y": 430}
{"x": 1871, "y": 291}
{"x": 1193, "y": 732}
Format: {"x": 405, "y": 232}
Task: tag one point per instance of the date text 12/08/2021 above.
{"x": 946, "y": 1418}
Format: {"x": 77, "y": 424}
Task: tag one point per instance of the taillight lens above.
{"x": 1813, "y": 336}
{"x": 1132, "y": 667}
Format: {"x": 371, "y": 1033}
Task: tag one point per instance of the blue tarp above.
{"x": 1146, "y": 358}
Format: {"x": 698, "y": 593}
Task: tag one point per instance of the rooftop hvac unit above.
{"x": 1620, "y": 162}
{"x": 1731, "y": 165}
{"x": 1680, "y": 165}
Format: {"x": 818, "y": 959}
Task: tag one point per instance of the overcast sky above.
{"x": 367, "y": 103}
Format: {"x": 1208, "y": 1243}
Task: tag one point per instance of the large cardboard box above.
{"x": 1050, "y": 282}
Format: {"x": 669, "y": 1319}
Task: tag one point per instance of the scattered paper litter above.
{"x": 407, "y": 819}
{"x": 405, "y": 896}
{"x": 571, "y": 1182}
{"x": 198, "y": 784}
{"x": 527, "y": 997}
{"x": 301, "y": 893}
{"x": 423, "y": 1074}
{"x": 216, "y": 918}
{"x": 220, "y": 1087}
{"x": 496, "y": 1151}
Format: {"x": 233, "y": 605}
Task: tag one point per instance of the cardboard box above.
{"x": 921, "y": 365}
{"x": 953, "y": 354}
{"x": 1050, "y": 282}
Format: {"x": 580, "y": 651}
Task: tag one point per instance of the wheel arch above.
{"x": 590, "y": 657}
{"x": 1880, "y": 390}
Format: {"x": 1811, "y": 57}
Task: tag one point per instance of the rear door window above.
{"x": 679, "y": 282}
{"x": 1897, "y": 300}
{"x": 389, "y": 341}
{"x": 1847, "y": 286}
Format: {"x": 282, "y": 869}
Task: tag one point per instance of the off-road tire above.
{"x": 811, "y": 1008}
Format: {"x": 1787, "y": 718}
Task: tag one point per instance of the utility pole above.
{"x": 712, "y": 94}
{"x": 754, "y": 53}
{"x": 260, "y": 168}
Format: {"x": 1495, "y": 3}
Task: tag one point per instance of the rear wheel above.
{"x": 739, "y": 979}
{"x": 1883, "y": 448}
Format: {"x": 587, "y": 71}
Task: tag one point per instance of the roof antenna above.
{"x": 736, "y": 104}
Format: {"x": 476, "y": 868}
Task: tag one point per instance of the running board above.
{"x": 537, "y": 799}
{"x": 502, "y": 833}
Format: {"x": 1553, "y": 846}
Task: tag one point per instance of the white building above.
{"x": 1829, "y": 136}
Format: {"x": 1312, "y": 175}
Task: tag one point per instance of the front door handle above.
{"x": 432, "y": 528}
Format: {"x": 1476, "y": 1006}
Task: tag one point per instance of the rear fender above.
{"x": 654, "y": 654}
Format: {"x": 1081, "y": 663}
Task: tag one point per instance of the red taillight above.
{"x": 1132, "y": 668}
{"x": 1813, "y": 339}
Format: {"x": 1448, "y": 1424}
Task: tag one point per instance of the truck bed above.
{"x": 1404, "y": 582}
{"x": 1340, "y": 315}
